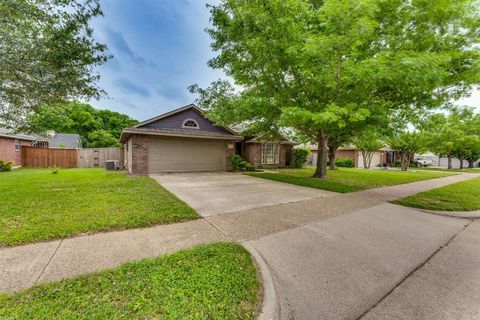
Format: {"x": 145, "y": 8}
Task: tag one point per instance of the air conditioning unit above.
{"x": 112, "y": 165}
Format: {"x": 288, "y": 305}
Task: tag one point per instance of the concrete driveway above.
{"x": 213, "y": 193}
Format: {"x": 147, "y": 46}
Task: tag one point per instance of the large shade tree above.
{"x": 47, "y": 54}
{"x": 323, "y": 67}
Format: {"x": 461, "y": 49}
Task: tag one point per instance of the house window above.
{"x": 190, "y": 123}
{"x": 270, "y": 153}
{"x": 17, "y": 145}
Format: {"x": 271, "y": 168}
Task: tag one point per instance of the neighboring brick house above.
{"x": 184, "y": 140}
{"x": 11, "y": 146}
{"x": 378, "y": 158}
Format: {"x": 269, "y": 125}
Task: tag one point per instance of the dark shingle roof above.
{"x": 65, "y": 140}
{"x": 22, "y": 136}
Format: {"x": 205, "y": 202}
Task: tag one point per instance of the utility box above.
{"x": 111, "y": 165}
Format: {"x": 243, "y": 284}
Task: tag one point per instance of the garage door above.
{"x": 185, "y": 155}
{"x": 376, "y": 160}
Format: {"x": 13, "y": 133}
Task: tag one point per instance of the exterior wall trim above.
{"x": 216, "y": 137}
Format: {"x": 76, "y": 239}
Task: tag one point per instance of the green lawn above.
{"x": 474, "y": 170}
{"x": 347, "y": 179}
{"x": 461, "y": 196}
{"x": 39, "y": 205}
{"x": 217, "y": 281}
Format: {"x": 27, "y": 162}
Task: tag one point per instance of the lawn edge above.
{"x": 268, "y": 305}
{"x": 441, "y": 175}
{"x": 86, "y": 234}
{"x": 257, "y": 264}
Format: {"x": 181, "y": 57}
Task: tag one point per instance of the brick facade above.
{"x": 139, "y": 150}
{"x": 229, "y": 151}
{"x": 8, "y": 152}
{"x": 252, "y": 154}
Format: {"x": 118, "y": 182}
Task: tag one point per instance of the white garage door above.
{"x": 185, "y": 155}
{"x": 376, "y": 160}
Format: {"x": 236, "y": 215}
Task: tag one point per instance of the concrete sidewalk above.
{"x": 251, "y": 224}
{"x": 24, "y": 266}
{"x": 446, "y": 287}
{"x": 340, "y": 267}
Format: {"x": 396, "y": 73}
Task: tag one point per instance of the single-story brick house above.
{"x": 11, "y": 146}
{"x": 184, "y": 140}
{"x": 379, "y": 157}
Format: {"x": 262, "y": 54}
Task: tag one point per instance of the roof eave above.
{"x": 126, "y": 133}
{"x": 17, "y": 137}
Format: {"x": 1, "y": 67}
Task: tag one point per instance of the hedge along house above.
{"x": 184, "y": 140}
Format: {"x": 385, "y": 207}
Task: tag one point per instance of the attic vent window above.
{"x": 190, "y": 124}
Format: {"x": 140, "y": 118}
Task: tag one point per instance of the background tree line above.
{"x": 97, "y": 128}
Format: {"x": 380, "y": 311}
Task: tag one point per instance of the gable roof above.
{"x": 179, "y": 110}
{"x": 65, "y": 140}
{"x": 151, "y": 127}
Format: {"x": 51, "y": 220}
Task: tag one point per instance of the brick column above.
{"x": 229, "y": 151}
{"x": 139, "y": 154}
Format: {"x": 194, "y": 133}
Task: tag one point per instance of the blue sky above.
{"x": 160, "y": 48}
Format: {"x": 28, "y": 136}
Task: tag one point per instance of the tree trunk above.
{"x": 404, "y": 160}
{"x": 321, "y": 171}
{"x": 471, "y": 163}
{"x": 365, "y": 159}
{"x": 461, "y": 162}
{"x": 449, "y": 162}
{"x": 332, "y": 157}
{"x": 369, "y": 159}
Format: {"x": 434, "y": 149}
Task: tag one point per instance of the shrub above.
{"x": 249, "y": 167}
{"x": 5, "y": 166}
{"x": 344, "y": 162}
{"x": 239, "y": 164}
{"x": 299, "y": 157}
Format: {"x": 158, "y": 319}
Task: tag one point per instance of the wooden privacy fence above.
{"x": 46, "y": 158}
{"x": 96, "y": 157}
{"x": 70, "y": 158}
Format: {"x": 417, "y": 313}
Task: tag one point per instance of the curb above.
{"x": 455, "y": 214}
{"x": 270, "y": 308}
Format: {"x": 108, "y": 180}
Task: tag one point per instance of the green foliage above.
{"x": 346, "y": 179}
{"x": 299, "y": 157}
{"x": 38, "y": 205}
{"x": 455, "y": 135}
{"x": 368, "y": 143}
{"x": 330, "y": 66}
{"x": 102, "y": 139}
{"x": 215, "y": 281}
{"x": 406, "y": 144}
{"x": 47, "y": 54}
{"x": 5, "y": 166}
{"x": 97, "y": 128}
{"x": 344, "y": 162}
{"x": 239, "y": 164}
